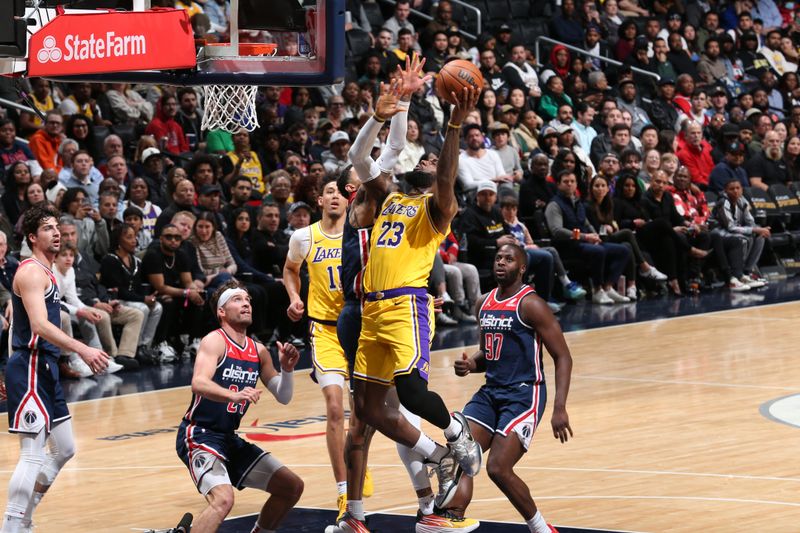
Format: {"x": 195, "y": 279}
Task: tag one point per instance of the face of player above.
{"x": 507, "y": 267}
{"x": 237, "y": 311}
{"x": 331, "y": 201}
{"x": 47, "y": 238}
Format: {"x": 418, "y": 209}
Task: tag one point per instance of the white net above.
{"x": 230, "y": 107}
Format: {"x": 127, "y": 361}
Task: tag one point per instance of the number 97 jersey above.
{"x": 403, "y": 245}
{"x": 512, "y": 348}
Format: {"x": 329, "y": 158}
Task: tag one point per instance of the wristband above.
{"x": 454, "y": 126}
{"x": 186, "y": 297}
{"x": 377, "y": 118}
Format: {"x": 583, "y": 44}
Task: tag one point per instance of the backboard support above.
{"x": 313, "y": 57}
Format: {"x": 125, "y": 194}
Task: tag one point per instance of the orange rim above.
{"x": 252, "y": 49}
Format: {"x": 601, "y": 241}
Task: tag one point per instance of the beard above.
{"x": 775, "y": 153}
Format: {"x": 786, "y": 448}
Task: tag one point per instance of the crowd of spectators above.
{"x": 615, "y": 177}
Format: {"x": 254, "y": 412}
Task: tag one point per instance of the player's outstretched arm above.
{"x": 443, "y": 204}
{"x": 31, "y": 284}
{"x": 536, "y": 314}
{"x": 281, "y": 385}
{"x": 386, "y": 107}
{"x": 205, "y": 365}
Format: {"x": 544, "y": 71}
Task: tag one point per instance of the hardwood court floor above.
{"x": 668, "y": 437}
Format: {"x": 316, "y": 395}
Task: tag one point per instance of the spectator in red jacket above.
{"x": 695, "y": 153}
{"x": 45, "y": 142}
{"x": 166, "y": 130}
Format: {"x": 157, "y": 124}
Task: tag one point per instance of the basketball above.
{"x": 456, "y": 75}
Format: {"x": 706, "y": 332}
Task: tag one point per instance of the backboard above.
{"x": 306, "y": 41}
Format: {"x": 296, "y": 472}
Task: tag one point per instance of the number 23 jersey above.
{"x": 403, "y": 245}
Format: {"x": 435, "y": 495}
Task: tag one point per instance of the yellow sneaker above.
{"x": 341, "y": 501}
{"x": 443, "y": 521}
{"x": 369, "y": 487}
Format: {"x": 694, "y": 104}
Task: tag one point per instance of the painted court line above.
{"x": 625, "y": 497}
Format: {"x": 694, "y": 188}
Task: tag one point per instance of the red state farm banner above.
{"x": 99, "y": 43}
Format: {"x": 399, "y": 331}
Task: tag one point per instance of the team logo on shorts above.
{"x": 199, "y": 462}
{"x": 30, "y": 417}
{"x": 527, "y": 431}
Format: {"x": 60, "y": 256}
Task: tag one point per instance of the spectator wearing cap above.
{"x": 502, "y": 47}
{"x": 299, "y": 214}
{"x": 674, "y": 25}
{"x": 322, "y": 139}
{"x": 711, "y": 68}
{"x": 518, "y": 73}
{"x": 718, "y": 102}
{"x": 730, "y": 168}
{"x": 768, "y": 166}
{"x": 594, "y": 44}
{"x": 476, "y": 163}
{"x": 573, "y": 234}
{"x": 582, "y": 125}
{"x": 509, "y": 115}
{"x": 508, "y": 155}
{"x": 335, "y": 158}
{"x": 628, "y": 100}
{"x": 695, "y": 153}
{"x": 209, "y": 200}
{"x": 567, "y": 140}
{"x": 153, "y": 174}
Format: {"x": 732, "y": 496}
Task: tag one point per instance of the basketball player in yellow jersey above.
{"x": 320, "y": 247}
{"x": 397, "y": 318}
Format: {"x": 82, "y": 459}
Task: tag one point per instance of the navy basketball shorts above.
{"x": 223, "y": 459}
{"x": 348, "y": 329}
{"x": 35, "y": 398}
{"x": 514, "y": 408}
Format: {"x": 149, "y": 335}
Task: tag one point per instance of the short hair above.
{"x": 66, "y": 142}
{"x": 186, "y": 214}
{"x": 33, "y": 218}
{"x": 239, "y": 178}
{"x": 68, "y": 247}
{"x": 326, "y": 180}
{"x": 107, "y": 193}
{"x": 565, "y": 172}
{"x": 469, "y": 127}
{"x": 267, "y": 205}
{"x": 404, "y": 31}
{"x": 132, "y": 211}
{"x": 711, "y": 39}
{"x": 648, "y": 127}
{"x": 628, "y": 152}
{"x": 116, "y": 235}
{"x": 698, "y": 91}
{"x": 343, "y": 179}
{"x": 184, "y": 91}
{"x": 168, "y": 226}
{"x": 509, "y": 200}
{"x": 275, "y": 174}
{"x": 619, "y": 127}
{"x": 519, "y": 252}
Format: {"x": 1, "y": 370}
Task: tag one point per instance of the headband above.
{"x": 228, "y": 294}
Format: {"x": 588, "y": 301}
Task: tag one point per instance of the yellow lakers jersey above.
{"x": 403, "y": 245}
{"x": 251, "y": 169}
{"x": 324, "y": 260}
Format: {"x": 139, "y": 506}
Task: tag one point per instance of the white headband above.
{"x": 228, "y": 294}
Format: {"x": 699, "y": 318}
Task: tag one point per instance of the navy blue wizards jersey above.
{"x": 22, "y": 337}
{"x": 513, "y": 349}
{"x": 240, "y": 367}
{"x": 355, "y": 252}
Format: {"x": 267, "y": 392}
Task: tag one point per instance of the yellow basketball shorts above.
{"x": 327, "y": 354}
{"x": 397, "y": 327}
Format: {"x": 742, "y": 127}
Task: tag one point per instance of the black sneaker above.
{"x": 127, "y": 363}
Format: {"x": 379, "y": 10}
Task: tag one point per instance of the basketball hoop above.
{"x": 232, "y": 107}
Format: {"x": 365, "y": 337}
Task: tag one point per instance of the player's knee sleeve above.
{"x": 21, "y": 484}
{"x": 413, "y": 392}
{"x": 62, "y": 449}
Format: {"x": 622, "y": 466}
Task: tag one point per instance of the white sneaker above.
{"x": 654, "y": 274}
{"x": 190, "y": 350}
{"x": 617, "y": 297}
{"x": 600, "y": 297}
{"x": 165, "y": 352}
{"x": 632, "y": 293}
{"x": 113, "y": 366}
{"x": 754, "y": 283}
{"x": 734, "y": 285}
{"x": 79, "y": 365}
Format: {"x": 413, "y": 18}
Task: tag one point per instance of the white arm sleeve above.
{"x": 365, "y": 166}
{"x": 282, "y": 386}
{"x": 396, "y": 141}
{"x": 299, "y": 245}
